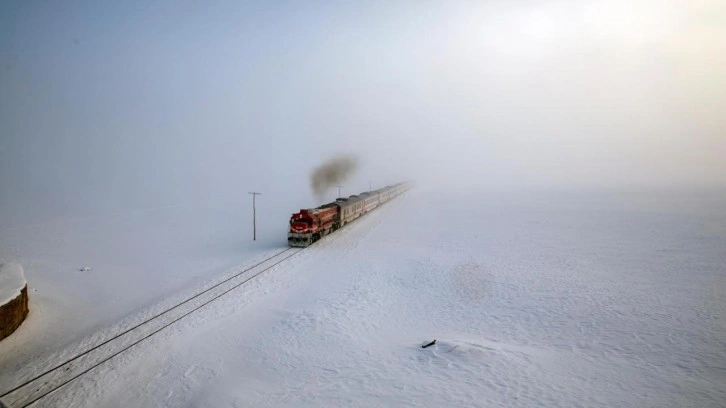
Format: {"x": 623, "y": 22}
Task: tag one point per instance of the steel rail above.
{"x": 156, "y": 316}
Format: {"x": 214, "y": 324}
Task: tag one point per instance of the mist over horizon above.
{"x": 112, "y": 107}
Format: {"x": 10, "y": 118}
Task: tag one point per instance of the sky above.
{"x": 135, "y": 104}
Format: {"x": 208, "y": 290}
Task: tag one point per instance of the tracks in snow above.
{"x": 36, "y": 388}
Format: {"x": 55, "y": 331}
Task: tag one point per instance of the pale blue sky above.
{"x": 129, "y": 104}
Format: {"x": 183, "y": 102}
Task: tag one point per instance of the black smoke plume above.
{"x": 332, "y": 173}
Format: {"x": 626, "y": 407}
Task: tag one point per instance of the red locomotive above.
{"x": 309, "y": 225}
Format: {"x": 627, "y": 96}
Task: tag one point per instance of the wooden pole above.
{"x": 254, "y": 216}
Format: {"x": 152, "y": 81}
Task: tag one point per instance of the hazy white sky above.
{"x": 140, "y": 103}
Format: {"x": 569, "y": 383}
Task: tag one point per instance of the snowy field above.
{"x": 86, "y": 273}
{"x": 538, "y": 299}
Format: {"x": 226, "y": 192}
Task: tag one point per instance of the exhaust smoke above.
{"x": 332, "y": 173}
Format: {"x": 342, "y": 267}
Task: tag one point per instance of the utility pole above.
{"x": 339, "y": 191}
{"x": 254, "y": 216}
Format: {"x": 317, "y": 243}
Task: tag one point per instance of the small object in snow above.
{"x": 85, "y": 269}
{"x": 430, "y": 344}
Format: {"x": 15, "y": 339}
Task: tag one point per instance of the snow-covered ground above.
{"x": 536, "y": 299}
{"x": 12, "y": 282}
{"x": 85, "y": 274}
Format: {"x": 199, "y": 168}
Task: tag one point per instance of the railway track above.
{"x": 32, "y": 390}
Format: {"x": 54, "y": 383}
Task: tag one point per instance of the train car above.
{"x": 350, "y": 208}
{"x": 308, "y": 226}
{"x": 400, "y": 188}
{"x": 385, "y": 194}
{"x": 370, "y": 201}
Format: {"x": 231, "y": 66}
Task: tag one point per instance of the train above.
{"x": 310, "y": 225}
